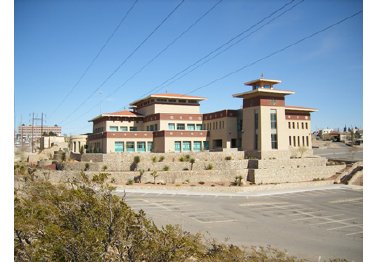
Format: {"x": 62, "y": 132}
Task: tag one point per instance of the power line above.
{"x": 170, "y": 44}
{"x": 228, "y": 47}
{"x": 158, "y": 54}
{"x": 96, "y": 56}
{"x": 219, "y": 47}
{"x": 276, "y": 52}
{"x": 125, "y": 60}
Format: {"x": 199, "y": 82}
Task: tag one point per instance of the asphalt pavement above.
{"x": 316, "y": 223}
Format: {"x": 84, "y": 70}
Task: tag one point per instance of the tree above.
{"x": 154, "y": 174}
{"x": 302, "y": 150}
{"x": 192, "y": 161}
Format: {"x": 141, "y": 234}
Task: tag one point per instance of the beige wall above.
{"x": 264, "y": 130}
{"x": 224, "y": 128}
{"x": 138, "y": 124}
{"x": 177, "y": 109}
{"x": 248, "y": 134}
{"x": 47, "y": 141}
{"x": 166, "y": 108}
{"x": 300, "y": 133}
{"x": 76, "y": 142}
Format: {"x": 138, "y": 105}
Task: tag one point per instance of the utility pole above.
{"x": 32, "y": 134}
{"x": 32, "y": 131}
{"x": 21, "y": 134}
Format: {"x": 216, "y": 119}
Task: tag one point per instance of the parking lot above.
{"x": 315, "y": 224}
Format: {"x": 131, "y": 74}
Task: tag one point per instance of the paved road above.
{"x": 324, "y": 223}
{"x": 341, "y": 152}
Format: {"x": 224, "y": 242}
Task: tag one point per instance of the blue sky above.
{"x": 55, "y": 41}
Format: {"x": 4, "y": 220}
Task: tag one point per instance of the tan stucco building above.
{"x": 264, "y": 127}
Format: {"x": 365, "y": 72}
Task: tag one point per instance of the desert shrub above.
{"x": 166, "y": 168}
{"x": 161, "y": 158}
{"x": 209, "y": 167}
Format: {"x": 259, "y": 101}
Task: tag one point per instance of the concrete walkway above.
{"x": 260, "y": 190}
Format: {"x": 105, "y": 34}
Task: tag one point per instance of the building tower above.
{"x": 266, "y": 130}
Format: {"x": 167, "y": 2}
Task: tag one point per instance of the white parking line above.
{"x": 261, "y": 204}
{"x": 215, "y": 221}
{"x": 334, "y": 221}
{"x": 354, "y": 225}
{"x": 273, "y": 207}
{"x": 358, "y": 199}
{"x": 355, "y": 233}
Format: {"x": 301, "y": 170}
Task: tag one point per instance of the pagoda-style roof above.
{"x": 123, "y": 113}
{"x": 260, "y": 91}
{"x": 301, "y": 108}
{"x": 262, "y": 81}
{"x": 168, "y": 96}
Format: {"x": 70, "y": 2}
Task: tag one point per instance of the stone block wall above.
{"x": 146, "y": 165}
{"x": 169, "y": 177}
{"x": 283, "y": 175}
{"x": 287, "y": 163}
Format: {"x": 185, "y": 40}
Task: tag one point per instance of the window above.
{"x": 294, "y": 141}
{"x": 307, "y": 140}
{"x": 297, "y": 125}
{"x": 180, "y": 127}
{"x": 306, "y": 125}
{"x": 123, "y": 128}
{"x": 119, "y": 146}
{"x": 155, "y": 127}
{"x": 256, "y": 141}
{"x": 303, "y": 139}
{"x": 298, "y": 140}
{"x": 302, "y": 125}
{"x": 132, "y": 128}
{"x": 141, "y": 147}
{"x": 177, "y": 146}
{"x": 293, "y": 125}
{"x": 199, "y": 127}
{"x": 256, "y": 120}
{"x": 206, "y": 145}
{"x": 274, "y": 141}
{"x": 171, "y": 126}
{"x": 197, "y": 146}
{"x": 186, "y": 145}
{"x": 130, "y": 147}
{"x": 290, "y": 140}
{"x": 114, "y": 128}
{"x": 147, "y": 128}
{"x": 289, "y": 125}
{"x": 150, "y": 147}
{"x": 273, "y": 119}
{"x": 204, "y": 126}
{"x": 190, "y": 126}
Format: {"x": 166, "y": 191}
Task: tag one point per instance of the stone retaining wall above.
{"x": 287, "y": 163}
{"x": 292, "y": 174}
{"x": 168, "y": 157}
{"x": 159, "y": 166}
{"x": 170, "y": 177}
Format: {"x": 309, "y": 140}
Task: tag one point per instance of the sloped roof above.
{"x": 124, "y": 113}
{"x": 169, "y": 95}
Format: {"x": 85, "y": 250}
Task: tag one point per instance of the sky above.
{"x": 74, "y": 60}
